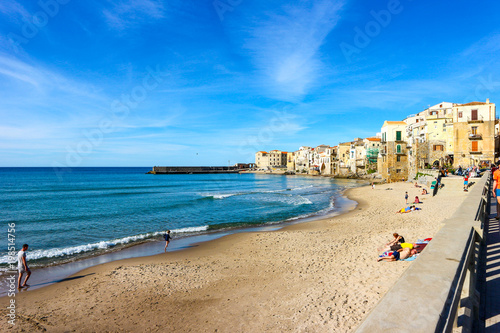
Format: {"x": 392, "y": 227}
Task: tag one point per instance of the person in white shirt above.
{"x": 22, "y": 267}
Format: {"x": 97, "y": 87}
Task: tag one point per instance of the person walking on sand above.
{"x": 406, "y": 197}
{"x": 22, "y": 267}
{"x": 373, "y": 185}
{"x": 167, "y": 239}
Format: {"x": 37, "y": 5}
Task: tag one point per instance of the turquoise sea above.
{"x": 68, "y": 214}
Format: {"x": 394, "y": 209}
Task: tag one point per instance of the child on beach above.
{"x": 417, "y": 200}
{"x": 406, "y": 197}
{"x": 167, "y": 239}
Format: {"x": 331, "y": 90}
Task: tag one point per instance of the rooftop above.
{"x": 472, "y": 103}
{"x": 395, "y": 122}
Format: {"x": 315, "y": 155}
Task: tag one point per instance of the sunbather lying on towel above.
{"x": 400, "y": 254}
{"x": 408, "y": 209}
{"x": 399, "y": 246}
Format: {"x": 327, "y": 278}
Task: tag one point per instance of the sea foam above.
{"x": 103, "y": 245}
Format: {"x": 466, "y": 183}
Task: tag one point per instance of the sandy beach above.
{"x": 319, "y": 276}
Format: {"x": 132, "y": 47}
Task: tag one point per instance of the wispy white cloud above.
{"x": 285, "y": 48}
{"x": 123, "y": 14}
{"x": 14, "y": 10}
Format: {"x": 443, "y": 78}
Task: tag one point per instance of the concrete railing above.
{"x": 429, "y": 294}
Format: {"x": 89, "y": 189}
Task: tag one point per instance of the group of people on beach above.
{"x": 398, "y": 249}
{"x": 412, "y": 208}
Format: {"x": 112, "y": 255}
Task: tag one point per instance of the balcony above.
{"x": 480, "y": 119}
{"x": 475, "y": 136}
{"x": 475, "y": 152}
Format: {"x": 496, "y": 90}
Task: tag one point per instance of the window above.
{"x": 474, "y": 130}
{"x": 398, "y": 135}
{"x": 398, "y": 149}
{"x": 438, "y": 147}
{"x": 474, "y": 146}
{"x": 473, "y": 115}
{"x": 460, "y": 114}
{"x": 398, "y": 158}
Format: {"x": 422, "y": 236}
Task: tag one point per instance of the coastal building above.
{"x": 343, "y": 156}
{"x": 430, "y": 136}
{"x": 324, "y": 159}
{"x": 290, "y": 161}
{"x": 261, "y": 159}
{"x": 393, "y": 156}
{"x": 302, "y": 159}
{"x": 357, "y": 155}
{"x": 474, "y": 133}
{"x": 273, "y": 159}
{"x": 334, "y": 161}
{"x": 371, "y": 149}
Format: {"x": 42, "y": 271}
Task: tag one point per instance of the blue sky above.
{"x": 143, "y": 83}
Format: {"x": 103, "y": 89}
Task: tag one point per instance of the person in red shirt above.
{"x": 496, "y": 190}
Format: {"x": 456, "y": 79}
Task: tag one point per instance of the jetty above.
{"x": 166, "y": 170}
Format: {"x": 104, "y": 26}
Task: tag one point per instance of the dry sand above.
{"x": 320, "y": 276}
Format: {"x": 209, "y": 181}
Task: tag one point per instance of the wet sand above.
{"x": 319, "y": 276}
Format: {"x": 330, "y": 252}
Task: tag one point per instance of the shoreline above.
{"x": 320, "y": 275}
{"x": 55, "y": 273}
